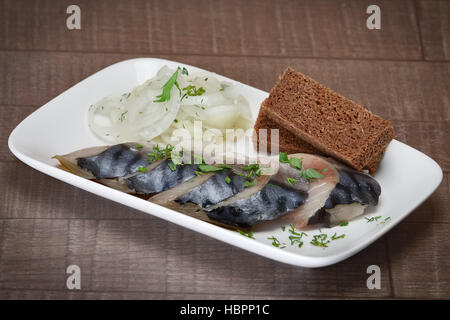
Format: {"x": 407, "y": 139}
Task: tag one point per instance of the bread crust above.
{"x": 314, "y": 119}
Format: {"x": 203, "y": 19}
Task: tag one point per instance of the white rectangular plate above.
{"x": 407, "y": 176}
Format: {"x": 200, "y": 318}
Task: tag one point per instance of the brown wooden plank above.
{"x": 434, "y": 18}
{"x": 420, "y": 260}
{"x": 219, "y": 269}
{"x": 428, "y": 137}
{"x": 157, "y": 257}
{"x": 435, "y": 208}
{"x": 11, "y": 294}
{"x": 28, "y": 193}
{"x": 121, "y": 255}
{"x": 311, "y": 28}
{"x": 395, "y": 90}
{"x": 10, "y": 117}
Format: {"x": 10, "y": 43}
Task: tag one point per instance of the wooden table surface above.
{"x": 401, "y": 72}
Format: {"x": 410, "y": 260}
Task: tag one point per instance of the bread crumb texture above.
{"x": 314, "y": 119}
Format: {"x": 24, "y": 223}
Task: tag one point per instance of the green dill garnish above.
{"x": 292, "y": 229}
{"x": 334, "y": 237}
{"x": 296, "y": 163}
{"x": 283, "y": 228}
{"x": 184, "y": 71}
{"x": 165, "y": 95}
{"x": 250, "y": 184}
{"x": 206, "y": 79}
{"x": 192, "y": 91}
{"x": 250, "y": 167}
{"x": 320, "y": 240}
{"x": 343, "y": 223}
{"x": 310, "y": 174}
{"x": 139, "y": 146}
{"x": 160, "y": 153}
{"x": 248, "y": 235}
{"x": 276, "y": 242}
{"x": 372, "y": 219}
{"x": 228, "y": 180}
{"x": 122, "y": 116}
{"x": 284, "y": 157}
{"x": 295, "y": 236}
{"x": 172, "y": 166}
{"x": 209, "y": 168}
{"x": 175, "y": 120}
{"x": 142, "y": 169}
{"x": 291, "y": 181}
{"x": 386, "y": 220}
{"x": 324, "y": 170}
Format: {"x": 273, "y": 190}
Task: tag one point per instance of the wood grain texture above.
{"x": 154, "y": 256}
{"x": 29, "y": 194}
{"x": 263, "y": 28}
{"x": 420, "y": 260}
{"x": 389, "y": 89}
{"x": 46, "y": 225}
{"x": 434, "y": 18}
{"x": 10, "y": 117}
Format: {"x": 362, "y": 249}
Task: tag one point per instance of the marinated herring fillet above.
{"x": 306, "y": 189}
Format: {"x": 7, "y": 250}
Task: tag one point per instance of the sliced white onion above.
{"x": 135, "y": 116}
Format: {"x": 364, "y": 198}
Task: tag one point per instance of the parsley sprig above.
{"x": 309, "y": 174}
{"x": 167, "y": 87}
{"x": 248, "y": 235}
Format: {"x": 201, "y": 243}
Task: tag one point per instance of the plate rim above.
{"x": 183, "y": 220}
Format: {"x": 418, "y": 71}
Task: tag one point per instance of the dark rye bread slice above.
{"x": 288, "y": 142}
{"x": 325, "y": 120}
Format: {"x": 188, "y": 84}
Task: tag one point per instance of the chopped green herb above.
{"x": 138, "y": 145}
{"x": 122, "y": 116}
{"x": 142, "y": 169}
{"x": 283, "y": 228}
{"x": 172, "y": 166}
{"x": 209, "y": 168}
{"x": 165, "y": 95}
{"x": 372, "y": 219}
{"x": 291, "y": 181}
{"x": 296, "y": 163}
{"x": 249, "y": 235}
{"x": 159, "y": 154}
{"x": 320, "y": 240}
{"x": 250, "y": 167}
{"x": 250, "y": 184}
{"x": 311, "y": 174}
{"x": 184, "y": 71}
{"x": 343, "y": 223}
{"x": 284, "y": 157}
{"x": 206, "y": 79}
{"x": 176, "y": 121}
{"x": 276, "y": 242}
{"x": 228, "y": 180}
{"x": 192, "y": 91}
{"x": 324, "y": 170}
{"x": 334, "y": 237}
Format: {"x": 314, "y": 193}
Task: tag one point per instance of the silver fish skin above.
{"x": 215, "y": 189}
{"x": 271, "y": 202}
{"x": 117, "y": 161}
